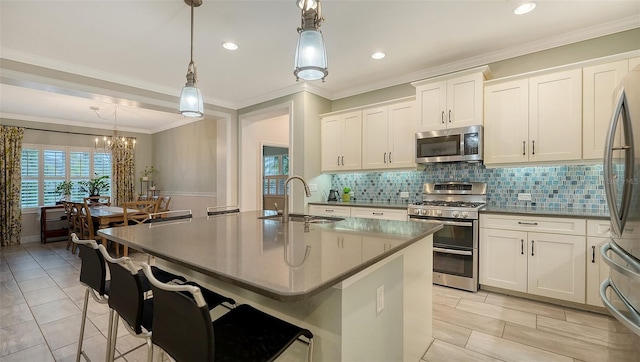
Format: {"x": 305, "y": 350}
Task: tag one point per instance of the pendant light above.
{"x": 311, "y": 54}
{"x": 191, "y": 103}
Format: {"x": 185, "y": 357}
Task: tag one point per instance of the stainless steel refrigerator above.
{"x": 621, "y": 292}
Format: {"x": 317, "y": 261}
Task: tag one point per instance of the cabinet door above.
{"x": 331, "y": 132}
{"x": 555, "y": 116}
{"x": 402, "y": 127}
{"x": 351, "y": 141}
{"x": 506, "y": 128}
{"x": 597, "y": 270}
{"x": 503, "y": 259}
{"x": 600, "y": 82}
{"x": 432, "y": 102}
{"x": 557, "y": 266}
{"x": 375, "y": 153}
{"x": 464, "y": 101}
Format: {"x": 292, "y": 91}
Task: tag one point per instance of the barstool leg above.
{"x": 84, "y": 319}
{"x": 149, "y": 350}
{"x": 112, "y": 335}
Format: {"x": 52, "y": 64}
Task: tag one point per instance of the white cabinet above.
{"x": 450, "y": 101}
{"x": 341, "y": 139}
{"x": 548, "y": 127}
{"x": 323, "y": 210}
{"x": 384, "y": 214}
{"x": 600, "y": 82}
{"x": 538, "y": 255}
{"x": 506, "y": 130}
{"x": 388, "y": 136}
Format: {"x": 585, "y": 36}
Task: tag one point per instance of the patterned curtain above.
{"x": 123, "y": 183}
{"x": 10, "y": 163}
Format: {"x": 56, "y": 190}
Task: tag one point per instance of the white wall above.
{"x": 253, "y": 134}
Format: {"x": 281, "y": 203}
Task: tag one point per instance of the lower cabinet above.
{"x": 356, "y": 211}
{"x": 597, "y": 270}
{"x": 323, "y": 210}
{"x": 545, "y": 264}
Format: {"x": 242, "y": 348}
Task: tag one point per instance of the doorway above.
{"x": 275, "y": 170}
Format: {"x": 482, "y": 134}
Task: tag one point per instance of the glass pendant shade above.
{"x": 191, "y": 103}
{"x": 311, "y": 56}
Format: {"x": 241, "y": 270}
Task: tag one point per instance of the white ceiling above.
{"x": 134, "y": 53}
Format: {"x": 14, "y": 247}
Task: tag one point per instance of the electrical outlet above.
{"x": 313, "y": 187}
{"x": 524, "y": 197}
{"x": 380, "y": 299}
{"x": 404, "y": 195}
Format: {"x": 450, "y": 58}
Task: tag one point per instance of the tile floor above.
{"x": 41, "y": 301}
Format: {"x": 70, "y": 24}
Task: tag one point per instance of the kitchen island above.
{"x": 362, "y": 286}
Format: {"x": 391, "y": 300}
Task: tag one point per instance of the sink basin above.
{"x": 300, "y": 218}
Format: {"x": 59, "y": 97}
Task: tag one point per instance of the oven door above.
{"x": 454, "y": 234}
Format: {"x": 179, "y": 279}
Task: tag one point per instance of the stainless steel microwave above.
{"x": 462, "y": 144}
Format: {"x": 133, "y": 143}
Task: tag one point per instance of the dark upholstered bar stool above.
{"x": 221, "y": 210}
{"x": 182, "y": 327}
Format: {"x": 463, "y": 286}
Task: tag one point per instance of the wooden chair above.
{"x": 87, "y": 231}
{"x": 135, "y": 212}
{"x": 163, "y": 203}
{"x": 98, "y": 200}
{"x": 68, "y": 211}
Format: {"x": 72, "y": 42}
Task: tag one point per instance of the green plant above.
{"x": 148, "y": 171}
{"x": 95, "y": 185}
{"x": 64, "y": 188}
{"x": 346, "y": 190}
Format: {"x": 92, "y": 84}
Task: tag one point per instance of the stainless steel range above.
{"x": 455, "y": 247}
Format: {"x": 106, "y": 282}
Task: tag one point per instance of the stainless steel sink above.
{"x": 301, "y": 218}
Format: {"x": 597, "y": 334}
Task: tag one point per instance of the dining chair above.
{"x": 221, "y": 210}
{"x": 134, "y": 212}
{"x": 163, "y": 203}
{"x": 182, "y": 327}
{"x": 71, "y": 213}
{"x": 98, "y": 200}
{"x": 87, "y": 229}
{"x": 93, "y": 276}
{"x": 164, "y": 216}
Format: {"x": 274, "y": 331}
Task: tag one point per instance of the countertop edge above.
{"x": 356, "y": 204}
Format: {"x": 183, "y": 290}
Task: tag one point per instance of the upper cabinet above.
{"x": 600, "y": 82}
{"x": 534, "y": 119}
{"x": 388, "y": 136}
{"x": 451, "y": 101}
{"x": 341, "y": 142}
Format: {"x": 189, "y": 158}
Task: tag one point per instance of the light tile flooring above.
{"x": 41, "y": 302}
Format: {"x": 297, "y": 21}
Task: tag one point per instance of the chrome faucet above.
{"x": 285, "y": 210}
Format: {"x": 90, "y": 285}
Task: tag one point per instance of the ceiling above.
{"x": 59, "y": 58}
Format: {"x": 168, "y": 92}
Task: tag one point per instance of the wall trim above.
{"x": 189, "y": 194}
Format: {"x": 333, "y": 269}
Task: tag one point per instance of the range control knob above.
{"x": 465, "y": 214}
{"x": 455, "y": 214}
{"x": 439, "y": 212}
{"x": 423, "y": 212}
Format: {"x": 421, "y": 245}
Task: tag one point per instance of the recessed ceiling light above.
{"x": 524, "y": 8}
{"x": 378, "y": 55}
{"x": 229, "y": 45}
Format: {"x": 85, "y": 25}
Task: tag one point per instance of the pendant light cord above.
{"x": 192, "y": 31}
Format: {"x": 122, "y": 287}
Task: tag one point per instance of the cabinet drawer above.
{"x": 384, "y": 214}
{"x": 601, "y": 228}
{"x": 323, "y": 210}
{"x": 554, "y": 225}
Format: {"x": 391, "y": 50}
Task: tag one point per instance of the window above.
{"x": 44, "y": 167}
{"x": 276, "y": 169}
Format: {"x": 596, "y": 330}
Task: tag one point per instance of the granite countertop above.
{"x": 378, "y": 205}
{"x": 283, "y": 261}
{"x": 600, "y": 213}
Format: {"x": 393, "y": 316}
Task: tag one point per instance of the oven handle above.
{"x": 451, "y": 251}
{"x": 454, "y": 223}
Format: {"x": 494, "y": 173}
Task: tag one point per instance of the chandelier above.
{"x": 311, "y": 54}
{"x": 109, "y": 143}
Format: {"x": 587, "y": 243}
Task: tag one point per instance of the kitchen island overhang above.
{"x": 325, "y": 277}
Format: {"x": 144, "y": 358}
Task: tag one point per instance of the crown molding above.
{"x": 66, "y": 122}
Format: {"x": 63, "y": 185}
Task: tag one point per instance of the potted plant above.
{"x": 64, "y": 188}
{"x": 148, "y": 173}
{"x": 95, "y": 185}
{"x": 346, "y": 194}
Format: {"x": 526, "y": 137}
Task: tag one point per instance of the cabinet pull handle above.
{"x": 442, "y": 117}
{"x": 527, "y": 223}
{"x": 532, "y": 241}
{"x": 342, "y": 160}
{"x": 385, "y": 157}
{"x": 521, "y": 246}
{"x": 329, "y": 210}
{"x": 377, "y": 213}
{"x": 524, "y": 145}
{"x": 628, "y": 229}
{"x": 449, "y": 116}
{"x": 533, "y": 152}
{"x": 390, "y": 162}
{"x": 338, "y": 160}
{"x": 593, "y": 253}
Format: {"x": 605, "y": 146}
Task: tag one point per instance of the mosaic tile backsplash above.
{"x": 577, "y": 186}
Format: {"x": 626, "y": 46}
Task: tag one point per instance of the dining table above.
{"x": 106, "y": 217}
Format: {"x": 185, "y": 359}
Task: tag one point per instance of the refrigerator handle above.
{"x": 633, "y": 269}
{"x": 617, "y": 223}
{"x": 632, "y": 323}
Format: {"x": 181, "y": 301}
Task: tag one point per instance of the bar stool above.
{"x": 182, "y": 327}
